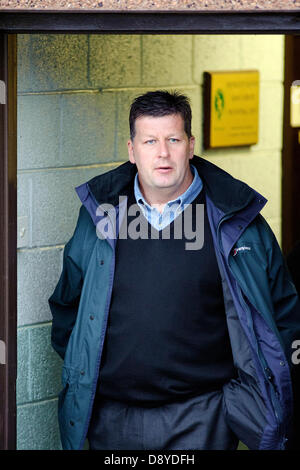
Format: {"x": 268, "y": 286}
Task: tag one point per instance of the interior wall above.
{"x": 74, "y": 93}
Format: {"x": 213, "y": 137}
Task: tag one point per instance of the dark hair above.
{"x": 161, "y": 103}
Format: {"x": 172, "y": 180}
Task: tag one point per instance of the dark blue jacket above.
{"x": 261, "y": 304}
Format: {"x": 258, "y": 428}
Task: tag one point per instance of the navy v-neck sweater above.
{"x": 167, "y": 336}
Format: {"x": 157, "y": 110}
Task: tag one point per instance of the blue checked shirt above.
{"x": 172, "y": 208}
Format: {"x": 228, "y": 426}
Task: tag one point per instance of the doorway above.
{"x": 194, "y": 24}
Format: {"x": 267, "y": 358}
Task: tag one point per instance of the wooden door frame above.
{"x": 150, "y": 22}
{"x": 13, "y": 22}
{"x": 290, "y": 147}
{"x": 8, "y": 240}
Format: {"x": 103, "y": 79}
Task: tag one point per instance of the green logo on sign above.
{"x": 219, "y": 103}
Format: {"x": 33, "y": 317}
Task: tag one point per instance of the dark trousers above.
{"x": 196, "y": 423}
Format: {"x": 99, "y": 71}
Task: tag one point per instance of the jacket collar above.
{"x": 227, "y": 193}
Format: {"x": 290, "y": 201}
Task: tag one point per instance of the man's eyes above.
{"x": 171, "y": 139}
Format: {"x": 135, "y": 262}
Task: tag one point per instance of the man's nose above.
{"x": 163, "y": 149}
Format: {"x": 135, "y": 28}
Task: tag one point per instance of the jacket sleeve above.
{"x": 285, "y": 298}
{"x": 293, "y": 263}
{"x": 65, "y": 299}
{"x": 287, "y": 317}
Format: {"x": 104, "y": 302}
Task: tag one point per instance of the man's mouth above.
{"x": 164, "y": 169}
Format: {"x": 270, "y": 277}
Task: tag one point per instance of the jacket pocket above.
{"x": 245, "y": 411}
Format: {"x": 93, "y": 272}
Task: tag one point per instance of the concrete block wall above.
{"x": 74, "y": 93}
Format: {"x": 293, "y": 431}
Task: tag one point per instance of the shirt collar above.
{"x": 185, "y": 198}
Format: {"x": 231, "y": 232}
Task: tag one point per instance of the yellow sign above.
{"x": 231, "y": 117}
{"x": 295, "y": 104}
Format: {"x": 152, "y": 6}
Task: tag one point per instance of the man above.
{"x": 169, "y": 345}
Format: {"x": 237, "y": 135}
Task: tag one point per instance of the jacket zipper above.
{"x": 100, "y": 350}
{"x": 266, "y": 370}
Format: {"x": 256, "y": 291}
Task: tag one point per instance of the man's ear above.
{"x": 130, "y": 151}
{"x": 192, "y": 146}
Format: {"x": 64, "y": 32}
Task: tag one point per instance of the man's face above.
{"x": 161, "y": 151}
